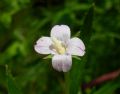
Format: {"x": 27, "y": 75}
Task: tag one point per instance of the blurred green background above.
{"x": 23, "y": 71}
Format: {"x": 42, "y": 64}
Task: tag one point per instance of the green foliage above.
{"x": 22, "y": 22}
{"x": 76, "y": 75}
{"x": 87, "y": 25}
{"x": 108, "y": 88}
{"x": 12, "y": 88}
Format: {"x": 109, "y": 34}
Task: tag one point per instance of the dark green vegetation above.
{"x": 23, "y": 71}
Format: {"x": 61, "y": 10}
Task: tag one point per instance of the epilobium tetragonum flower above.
{"x": 61, "y": 47}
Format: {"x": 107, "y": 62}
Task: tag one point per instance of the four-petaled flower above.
{"x": 61, "y": 47}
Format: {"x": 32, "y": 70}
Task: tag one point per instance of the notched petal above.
{"x": 76, "y": 47}
{"x": 61, "y": 32}
{"x": 62, "y": 62}
{"x": 43, "y": 45}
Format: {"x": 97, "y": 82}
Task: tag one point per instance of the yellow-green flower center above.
{"x": 59, "y": 47}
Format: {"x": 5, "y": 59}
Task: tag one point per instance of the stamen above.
{"x": 57, "y": 44}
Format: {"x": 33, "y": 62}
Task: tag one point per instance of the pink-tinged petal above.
{"x": 62, "y": 62}
{"x": 76, "y": 47}
{"x": 43, "y": 45}
{"x": 61, "y": 32}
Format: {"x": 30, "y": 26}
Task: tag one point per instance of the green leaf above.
{"x": 108, "y": 88}
{"x": 74, "y": 77}
{"x": 77, "y": 34}
{"x": 76, "y": 57}
{"x": 76, "y": 74}
{"x": 48, "y": 57}
{"x": 87, "y": 26}
{"x": 12, "y": 87}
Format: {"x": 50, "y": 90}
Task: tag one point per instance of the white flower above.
{"x": 61, "y": 47}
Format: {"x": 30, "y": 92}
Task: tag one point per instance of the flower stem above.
{"x": 66, "y": 87}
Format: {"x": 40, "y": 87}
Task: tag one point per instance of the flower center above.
{"x": 59, "y": 47}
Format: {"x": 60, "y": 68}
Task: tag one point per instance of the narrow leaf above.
{"x": 48, "y": 57}
{"x": 77, "y": 72}
{"x": 108, "y": 88}
{"x": 87, "y": 26}
{"x": 77, "y": 34}
{"x": 76, "y": 57}
{"x": 12, "y": 88}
